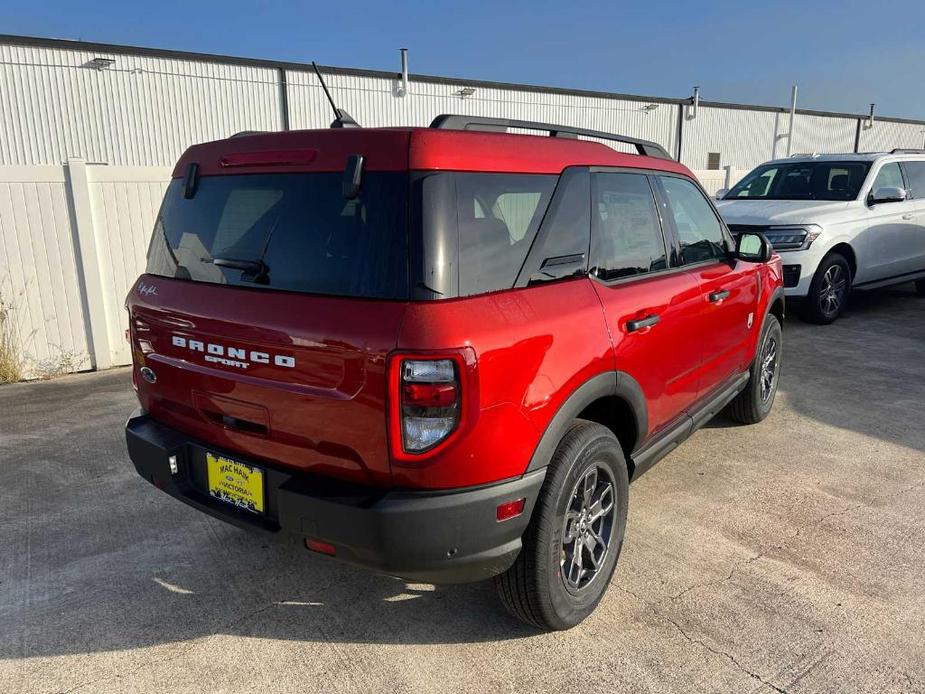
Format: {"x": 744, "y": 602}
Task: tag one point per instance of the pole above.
{"x": 793, "y": 112}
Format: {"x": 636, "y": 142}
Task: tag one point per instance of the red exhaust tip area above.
{"x": 320, "y": 547}
{"x": 510, "y": 509}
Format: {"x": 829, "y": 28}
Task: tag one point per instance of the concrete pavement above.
{"x": 786, "y": 556}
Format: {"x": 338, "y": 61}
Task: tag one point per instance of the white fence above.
{"x": 714, "y": 179}
{"x": 73, "y": 239}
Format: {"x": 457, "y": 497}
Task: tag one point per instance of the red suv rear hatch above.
{"x": 271, "y": 301}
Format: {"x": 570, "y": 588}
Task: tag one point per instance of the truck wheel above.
{"x": 828, "y": 292}
{"x": 755, "y": 402}
{"x": 571, "y": 546}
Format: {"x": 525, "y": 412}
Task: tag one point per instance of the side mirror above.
{"x": 886, "y": 194}
{"x": 753, "y": 248}
{"x": 721, "y": 193}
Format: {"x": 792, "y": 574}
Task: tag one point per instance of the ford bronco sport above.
{"x": 442, "y": 353}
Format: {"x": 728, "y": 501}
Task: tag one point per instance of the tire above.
{"x": 755, "y": 402}
{"x": 920, "y": 287}
{"x": 828, "y": 292}
{"x": 544, "y": 587}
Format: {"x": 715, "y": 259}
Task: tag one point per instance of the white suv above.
{"x": 838, "y": 221}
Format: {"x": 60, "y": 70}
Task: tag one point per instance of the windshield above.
{"x": 816, "y": 180}
{"x": 293, "y": 231}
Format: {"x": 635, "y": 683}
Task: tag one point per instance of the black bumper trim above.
{"x": 429, "y": 536}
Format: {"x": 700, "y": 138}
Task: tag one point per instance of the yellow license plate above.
{"x": 235, "y": 483}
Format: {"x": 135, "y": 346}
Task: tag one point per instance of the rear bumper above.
{"x": 427, "y": 536}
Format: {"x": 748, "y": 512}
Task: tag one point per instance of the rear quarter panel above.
{"x": 533, "y": 348}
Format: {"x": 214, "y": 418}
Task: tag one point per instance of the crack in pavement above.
{"x": 762, "y": 552}
{"x": 716, "y": 651}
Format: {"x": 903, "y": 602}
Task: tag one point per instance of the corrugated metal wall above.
{"x": 73, "y": 237}
{"x": 373, "y": 101}
{"x": 145, "y": 109}
{"x": 885, "y": 135}
{"x": 820, "y": 134}
{"x": 142, "y": 111}
{"x": 743, "y": 138}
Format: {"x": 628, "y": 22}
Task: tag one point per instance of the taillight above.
{"x": 429, "y": 402}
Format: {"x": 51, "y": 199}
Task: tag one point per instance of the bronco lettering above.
{"x": 232, "y": 356}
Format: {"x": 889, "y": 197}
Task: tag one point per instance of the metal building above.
{"x": 141, "y": 107}
{"x": 88, "y": 133}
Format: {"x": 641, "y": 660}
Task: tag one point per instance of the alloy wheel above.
{"x": 768, "y": 369}
{"x": 587, "y": 528}
{"x": 833, "y": 290}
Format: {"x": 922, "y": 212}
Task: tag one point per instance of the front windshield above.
{"x": 815, "y": 180}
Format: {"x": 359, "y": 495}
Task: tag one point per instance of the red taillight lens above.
{"x": 429, "y": 402}
{"x": 511, "y": 509}
{"x": 429, "y": 394}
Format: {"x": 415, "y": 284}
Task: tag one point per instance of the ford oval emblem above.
{"x": 148, "y": 374}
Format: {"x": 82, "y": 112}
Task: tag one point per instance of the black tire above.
{"x": 920, "y": 287}
{"x": 536, "y": 589}
{"x": 755, "y": 402}
{"x": 829, "y": 290}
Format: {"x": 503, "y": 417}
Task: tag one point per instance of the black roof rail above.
{"x": 448, "y": 121}
{"x": 902, "y": 150}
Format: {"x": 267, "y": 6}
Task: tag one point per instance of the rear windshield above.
{"x": 294, "y": 232}
{"x": 802, "y": 181}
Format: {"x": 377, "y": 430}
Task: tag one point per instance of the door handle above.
{"x": 908, "y": 216}
{"x": 718, "y": 295}
{"x": 640, "y": 323}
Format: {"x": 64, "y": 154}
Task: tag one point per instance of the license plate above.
{"x": 235, "y": 483}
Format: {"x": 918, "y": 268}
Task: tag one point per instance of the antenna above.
{"x": 342, "y": 119}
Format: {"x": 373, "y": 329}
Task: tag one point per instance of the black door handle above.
{"x": 639, "y": 324}
{"x": 719, "y": 296}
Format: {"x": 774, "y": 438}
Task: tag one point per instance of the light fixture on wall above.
{"x": 694, "y": 104}
{"x": 403, "y": 85}
{"x": 464, "y": 92}
{"x": 648, "y": 108}
{"x": 100, "y": 63}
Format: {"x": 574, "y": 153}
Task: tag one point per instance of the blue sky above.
{"x": 843, "y": 55}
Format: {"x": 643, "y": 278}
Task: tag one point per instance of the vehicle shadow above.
{"x": 227, "y": 581}
{"x": 94, "y": 559}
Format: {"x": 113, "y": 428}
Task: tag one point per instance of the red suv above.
{"x": 442, "y": 353}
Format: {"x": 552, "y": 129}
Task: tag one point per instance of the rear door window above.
{"x": 889, "y": 176}
{"x": 498, "y": 216}
{"x": 294, "y": 232}
{"x": 626, "y": 237}
{"x": 915, "y": 174}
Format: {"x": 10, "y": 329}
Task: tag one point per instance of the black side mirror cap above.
{"x": 753, "y": 247}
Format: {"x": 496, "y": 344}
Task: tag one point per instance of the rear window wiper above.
{"x": 258, "y": 269}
